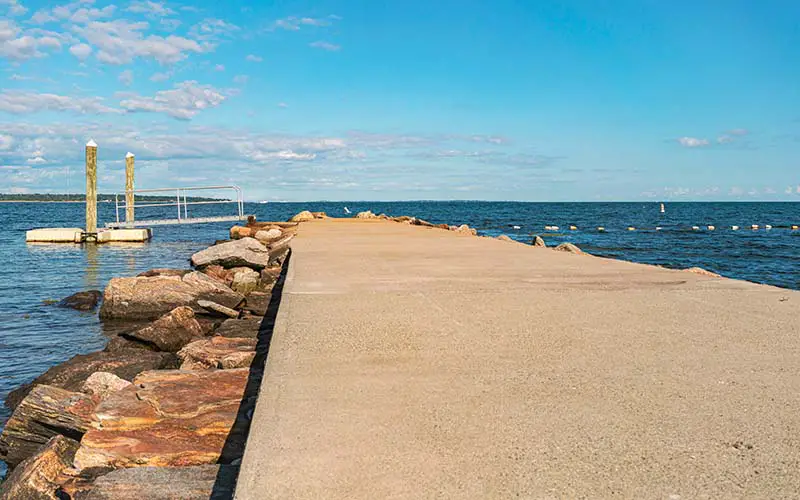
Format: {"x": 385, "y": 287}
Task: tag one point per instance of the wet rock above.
{"x": 247, "y": 252}
{"x": 218, "y": 352}
{"x": 538, "y": 241}
{"x": 101, "y": 384}
{"x": 245, "y": 328}
{"x": 703, "y": 272}
{"x": 303, "y": 216}
{"x": 82, "y": 301}
{"x": 170, "y": 332}
{"x": 219, "y": 273}
{"x": 167, "y": 418}
{"x": 164, "y": 272}
{"x": 366, "y": 215}
{"x": 45, "y": 412}
{"x": 218, "y": 309}
{"x": 71, "y": 375}
{"x": 36, "y": 478}
{"x": 245, "y": 281}
{"x": 568, "y": 247}
{"x": 257, "y": 303}
{"x": 269, "y": 235}
{"x": 199, "y": 482}
{"x": 149, "y": 298}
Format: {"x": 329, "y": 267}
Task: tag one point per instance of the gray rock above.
{"x": 244, "y": 328}
{"x": 269, "y": 235}
{"x": 219, "y": 309}
{"x": 82, "y": 301}
{"x": 197, "y": 482}
{"x": 245, "y": 281}
{"x": 247, "y": 252}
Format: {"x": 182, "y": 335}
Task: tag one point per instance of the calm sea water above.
{"x": 35, "y": 335}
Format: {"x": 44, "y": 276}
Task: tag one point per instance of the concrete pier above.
{"x": 411, "y": 362}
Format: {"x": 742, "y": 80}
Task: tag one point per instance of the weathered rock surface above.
{"x": 71, "y": 374}
{"x": 247, "y": 252}
{"x": 149, "y": 298}
{"x": 366, "y": 215}
{"x": 245, "y": 328}
{"x": 238, "y": 232}
{"x": 219, "y": 273}
{"x": 420, "y": 222}
{"x": 45, "y": 412}
{"x": 465, "y": 229}
{"x": 701, "y": 271}
{"x": 569, "y": 247}
{"x": 219, "y": 309}
{"x": 218, "y": 352}
{"x": 269, "y": 276}
{"x": 163, "y": 271}
{"x": 319, "y": 215}
{"x": 503, "y": 237}
{"x": 170, "y": 332}
{"x": 167, "y": 418}
{"x": 199, "y": 482}
{"x": 36, "y": 477}
{"x": 257, "y": 303}
{"x": 269, "y": 235}
{"x": 82, "y": 301}
{"x": 303, "y": 216}
{"x": 102, "y": 384}
{"x": 538, "y": 241}
{"x": 404, "y": 219}
{"x": 245, "y": 281}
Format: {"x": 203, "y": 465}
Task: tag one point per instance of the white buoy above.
{"x": 695, "y": 228}
{"x": 601, "y": 229}
{"x": 734, "y": 228}
{"x": 516, "y": 227}
{"x": 711, "y": 228}
{"x": 658, "y": 228}
{"x": 662, "y": 208}
{"x": 555, "y": 228}
{"x": 754, "y": 227}
{"x": 768, "y": 227}
{"x": 795, "y": 227}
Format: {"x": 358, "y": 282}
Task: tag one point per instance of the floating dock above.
{"x": 412, "y": 362}
{"x": 78, "y": 235}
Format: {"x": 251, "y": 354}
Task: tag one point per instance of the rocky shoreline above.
{"x": 163, "y": 411}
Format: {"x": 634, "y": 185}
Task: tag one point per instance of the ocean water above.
{"x": 35, "y": 335}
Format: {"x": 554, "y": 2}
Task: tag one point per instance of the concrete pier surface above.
{"x": 410, "y": 362}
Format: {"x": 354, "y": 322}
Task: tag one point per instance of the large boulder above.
{"x": 36, "y": 478}
{"x": 247, "y": 252}
{"x": 102, "y": 384}
{"x": 164, "y": 271}
{"x": 569, "y": 247}
{"x": 125, "y": 363}
{"x": 45, "y": 412}
{"x": 303, "y": 216}
{"x": 245, "y": 280}
{"x": 366, "y": 215}
{"x": 198, "y": 482}
{"x": 82, "y": 301}
{"x": 218, "y": 352}
{"x": 465, "y": 229}
{"x": 538, "y": 241}
{"x": 167, "y": 418}
{"x": 170, "y": 332}
{"x": 269, "y": 235}
{"x": 148, "y": 298}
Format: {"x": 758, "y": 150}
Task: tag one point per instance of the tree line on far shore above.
{"x": 81, "y": 197}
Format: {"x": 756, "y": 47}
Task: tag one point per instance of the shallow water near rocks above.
{"x": 35, "y": 334}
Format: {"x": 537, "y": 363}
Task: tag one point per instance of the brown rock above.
{"x": 220, "y": 274}
{"x": 125, "y": 363}
{"x": 270, "y": 275}
{"x": 366, "y": 215}
{"x": 102, "y": 384}
{"x": 465, "y": 229}
{"x": 267, "y": 236}
{"x": 538, "y": 241}
{"x": 503, "y": 237}
{"x": 167, "y": 418}
{"x": 170, "y": 332}
{"x": 238, "y": 232}
{"x": 82, "y": 301}
{"x": 164, "y": 272}
{"x": 303, "y": 216}
{"x": 199, "y": 482}
{"x": 45, "y": 412}
{"x": 443, "y": 226}
{"x": 420, "y": 222}
{"x": 569, "y": 247}
{"x": 319, "y": 215}
{"x": 218, "y": 309}
{"x": 149, "y": 298}
{"x": 248, "y": 252}
{"x": 218, "y": 352}
{"x": 245, "y": 328}
{"x": 404, "y": 219}
{"x": 36, "y": 478}
{"x": 257, "y": 303}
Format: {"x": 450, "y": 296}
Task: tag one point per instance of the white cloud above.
{"x": 154, "y": 9}
{"x": 6, "y": 141}
{"x": 293, "y": 23}
{"x": 331, "y": 47}
{"x": 219, "y": 67}
{"x": 80, "y": 50}
{"x": 36, "y": 160}
{"x": 14, "y": 7}
{"x": 241, "y": 79}
{"x": 213, "y": 29}
{"x": 126, "y": 78}
{"x": 120, "y": 42}
{"x": 18, "y": 45}
{"x": 254, "y": 58}
{"x": 283, "y": 105}
{"x": 183, "y": 102}
{"x": 74, "y": 12}
{"x": 170, "y": 24}
{"x": 19, "y": 102}
{"x": 160, "y": 77}
{"x": 692, "y": 142}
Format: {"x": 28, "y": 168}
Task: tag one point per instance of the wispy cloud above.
{"x": 254, "y": 58}
{"x": 126, "y": 78}
{"x": 22, "y": 102}
{"x": 149, "y": 8}
{"x": 294, "y": 23}
{"x": 14, "y": 8}
{"x": 183, "y": 102}
{"x": 331, "y": 47}
{"x": 692, "y": 142}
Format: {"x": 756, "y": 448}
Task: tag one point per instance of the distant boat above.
{"x": 346, "y": 210}
{"x": 263, "y": 201}
{"x": 662, "y": 208}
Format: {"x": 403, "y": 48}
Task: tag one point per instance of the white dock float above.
{"x": 77, "y": 235}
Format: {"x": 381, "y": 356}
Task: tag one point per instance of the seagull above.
{"x": 346, "y": 210}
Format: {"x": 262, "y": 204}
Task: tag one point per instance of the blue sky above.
{"x": 505, "y": 100}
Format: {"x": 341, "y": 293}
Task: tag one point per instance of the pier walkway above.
{"x": 410, "y": 362}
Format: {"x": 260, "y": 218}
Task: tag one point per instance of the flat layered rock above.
{"x": 167, "y": 418}
{"x": 257, "y": 303}
{"x": 125, "y": 363}
{"x": 219, "y": 309}
{"x": 200, "y": 482}
{"x": 102, "y": 384}
{"x": 245, "y": 328}
{"x": 151, "y": 297}
{"x": 36, "y": 478}
{"x": 44, "y": 413}
{"x": 218, "y": 352}
{"x": 247, "y": 252}
{"x": 170, "y": 332}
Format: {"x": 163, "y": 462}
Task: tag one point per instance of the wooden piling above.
{"x": 129, "y": 215}
{"x": 91, "y": 187}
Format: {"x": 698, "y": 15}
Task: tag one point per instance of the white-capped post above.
{"x": 129, "y": 188}
{"x": 91, "y": 187}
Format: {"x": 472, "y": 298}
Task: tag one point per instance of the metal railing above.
{"x": 181, "y": 204}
